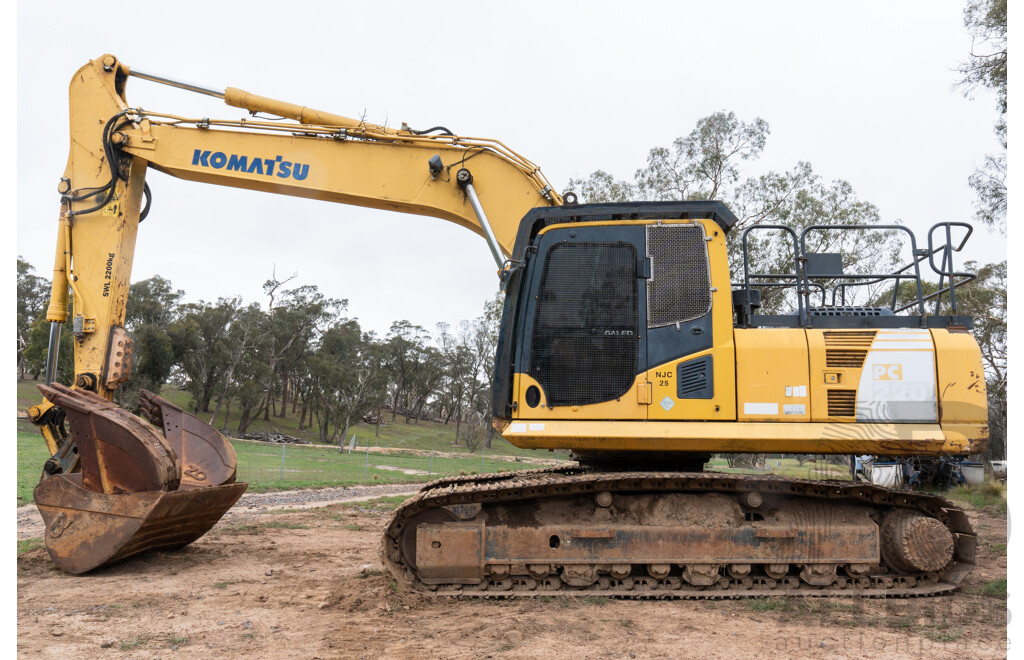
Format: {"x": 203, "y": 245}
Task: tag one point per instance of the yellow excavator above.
{"x": 623, "y": 338}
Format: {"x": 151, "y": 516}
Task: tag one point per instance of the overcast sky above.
{"x": 862, "y": 90}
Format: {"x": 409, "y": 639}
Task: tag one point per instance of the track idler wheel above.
{"x": 915, "y": 543}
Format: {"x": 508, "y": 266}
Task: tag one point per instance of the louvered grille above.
{"x": 839, "y": 358}
{"x": 680, "y": 286}
{"x": 847, "y": 348}
{"x": 695, "y": 379}
{"x": 849, "y": 338}
{"x": 584, "y": 344}
{"x": 849, "y": 310}
{"x": 842, "y": 403}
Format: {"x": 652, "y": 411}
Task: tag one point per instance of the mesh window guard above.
{"x": 680, "y": 286}
{"x": 584, "y": 346}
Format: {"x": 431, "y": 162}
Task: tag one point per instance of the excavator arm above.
{"x": 100, "y": 471}
{"x": 476, "y": 183}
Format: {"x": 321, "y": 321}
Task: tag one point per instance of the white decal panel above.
{"x": 760, "y": 409}
{"x": 898, "y": 380}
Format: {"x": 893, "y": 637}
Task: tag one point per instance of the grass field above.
{"x": 397, "y": 435}
{"x": 260, "y": 464}
{"x": 32, "y": 454}
{"x": 303, "y": 466}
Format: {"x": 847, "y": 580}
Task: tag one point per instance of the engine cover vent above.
{"x": 695, "y": 379}
{"x": 849, "y": 310}
{"x": 847, "y": 349}
{"x": 849, "y": 338}
{"x": 585, "y": 336}
{"x": 842, "y": 403}
{"x": 845, "y": 359}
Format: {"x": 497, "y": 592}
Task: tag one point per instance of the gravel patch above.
{"x": 30, "y": 523}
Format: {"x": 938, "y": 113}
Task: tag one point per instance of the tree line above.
{"x": 301, "y": 353}
{"x": 298, "y": 352}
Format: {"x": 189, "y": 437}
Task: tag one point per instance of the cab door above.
{"x": 583, "y": 354}
{"x": 690, "y": 348}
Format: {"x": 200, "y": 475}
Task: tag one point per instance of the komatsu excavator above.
{"x": 623, "y": 339}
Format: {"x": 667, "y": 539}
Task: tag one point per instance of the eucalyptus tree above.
{"x": 335, "y": 379}
{"x": 200, "y": 337}
{"x": 151, "y": 309}
{"x": 708, "y": 163}
{"x": 33, "y": 296}
{"x": 985, "y": 21}
{"x": 296, "y": 317}
{"x": 406, "y": 343}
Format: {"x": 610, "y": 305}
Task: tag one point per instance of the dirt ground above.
{"x": 306, "y": 582}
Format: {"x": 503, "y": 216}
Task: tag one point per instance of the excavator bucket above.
{"x": 142, "y": 486}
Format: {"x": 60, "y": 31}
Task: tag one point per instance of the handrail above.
{"x": 803, "y": 284}
{"x": 799, "y": 261}
{"x": 913, "y": 251}
{"x": 947, "y": 256}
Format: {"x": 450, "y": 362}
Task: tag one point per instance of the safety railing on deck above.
{"x": 823, "y": 274}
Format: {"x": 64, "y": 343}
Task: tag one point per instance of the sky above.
{"x": 863, "y": 91}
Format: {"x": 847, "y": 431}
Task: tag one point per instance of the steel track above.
{"x": 560, "y": 482}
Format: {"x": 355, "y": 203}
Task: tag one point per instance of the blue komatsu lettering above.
{"x": 266, "y": 166}
{"x": 239, "y": 163}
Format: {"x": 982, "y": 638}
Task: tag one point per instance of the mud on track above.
{"x": 306, "y": 583}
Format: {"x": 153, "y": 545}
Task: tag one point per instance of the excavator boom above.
{"x": 136, "y": 484}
